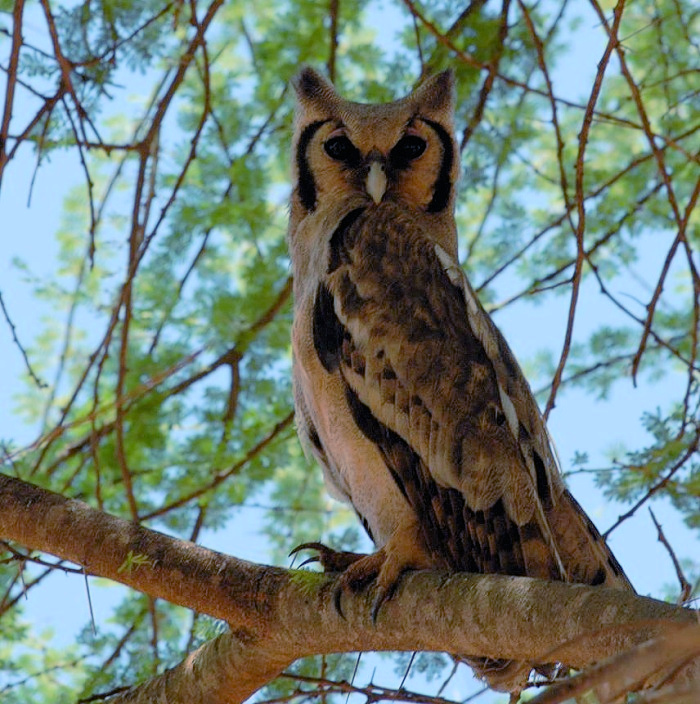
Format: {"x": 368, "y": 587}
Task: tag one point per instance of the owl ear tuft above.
{"x": 310, "y": 85}
{"x": 437, "y": 92}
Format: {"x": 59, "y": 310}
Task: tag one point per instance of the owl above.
{"x": 405, "y": 391}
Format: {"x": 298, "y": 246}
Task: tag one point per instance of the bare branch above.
{"x": 487, "y": 85}
{"x": 686, "y": 586}
{"x": 278, "y": 615}
{"x": 41, "y": 384}
{"x": 680, "y": 462}
{"x": 580, "y": 204}
{"x": 333, "y": 14}
{"x": 627, "y": 671}
{"x": 12, "y": 73}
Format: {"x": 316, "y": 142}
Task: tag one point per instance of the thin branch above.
{"x": 161, "y": 109}
{"x": 657, "y": 338}
{"x": 137, "y": 243}
{"x": 133, "y": 395}
{"x": 629, "y": 168}
{"x": 53, "y": 668}
{"x": 658, "y": 153}
{"x": 372, "y": 692}
{"x": 686, "y": 586}
{"x": 487, "y": 85}
{"x": 12, "y": 74}
{"x": 333, "y": 49}
{"x": 677, "y": 465}
{"x": 580, "y": 204}
{"x": 471, "y": 61}
{"x": 626, "y": 672}
{"x": 153, "y": 612}
{"x": 539, "y": 50}
{"x": 222, "y": 475}
{"x": 651, "y": 307}
{"x": 41, "y": 384}
{"x": 606, "y": 237}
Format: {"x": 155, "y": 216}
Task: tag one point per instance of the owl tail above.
{"x": 582, "y": 549}
{"x": 509, "y": 676}
{"x": 586, "y": 559}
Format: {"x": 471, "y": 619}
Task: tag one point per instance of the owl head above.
{"x": 402, "y": 152}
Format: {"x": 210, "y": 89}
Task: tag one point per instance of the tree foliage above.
{"x": 156, "y": 377}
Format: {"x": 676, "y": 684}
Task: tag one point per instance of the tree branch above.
{"x": 12, "y": 74}
{"x": 278, "y": 615}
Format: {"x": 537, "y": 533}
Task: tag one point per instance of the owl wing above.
{"x": 432, "y": 383}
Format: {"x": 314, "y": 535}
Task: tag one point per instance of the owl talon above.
{"x": 331, "y": 560}
{"x": 309, "y": 560}
{"x": 357, "y": 576}
{"x": 308, "y": 546}
{"x": 381, "y": 596}
{"x": 337, "y": 596}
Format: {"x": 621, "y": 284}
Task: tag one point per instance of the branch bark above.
{"x": 278, "y": 615}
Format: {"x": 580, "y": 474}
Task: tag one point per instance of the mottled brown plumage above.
{"x": 405, "y": 390}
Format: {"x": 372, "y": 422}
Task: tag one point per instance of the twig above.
{"x": 445, "y": 40}
{"x": 153, "y": 611}
{"x": 8, "y": 602}
{"x": 539, "y": 49}
{"x": 690, "y": 451}
{"x": 686, "y": 586}
{"x": 333, "y": 12}
{"x": 161, "y": 109}
{"x": 677, "y": 353}
{"x": 580, "y": 204}
{"x": 608, "y": 235}
{"x": 487, "y": 85}
{"x": 373, "y": 692}
{"x": 629, "y": 168}
{"x": 222, "y": 475}
{"x": 629, "y": 670}
{"x": 681, "y": 221}
{"x": 23, "y": 557}
{"x": 41, "y": 384}
{"x": 12, "y": 73}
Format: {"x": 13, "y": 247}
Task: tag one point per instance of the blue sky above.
{"x": 578, "y": 422}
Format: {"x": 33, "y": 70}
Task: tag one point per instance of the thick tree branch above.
{"x": 278, "y": 615}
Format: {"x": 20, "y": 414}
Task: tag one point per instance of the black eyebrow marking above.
{"x": 442, "y": 188}
{"x": 306, "y": 186}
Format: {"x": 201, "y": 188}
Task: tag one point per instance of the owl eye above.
{"x": 407, "y": 149}
{"x": 342, "y": 149}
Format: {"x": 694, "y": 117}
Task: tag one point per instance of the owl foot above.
{"x": 385, "y": 567}
{"x": 358, "y": 575}
{"x": 358, "y": 569}
{"x": 403, "y": 551}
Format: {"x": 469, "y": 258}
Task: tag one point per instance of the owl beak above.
{"x": 376, "y": 181}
